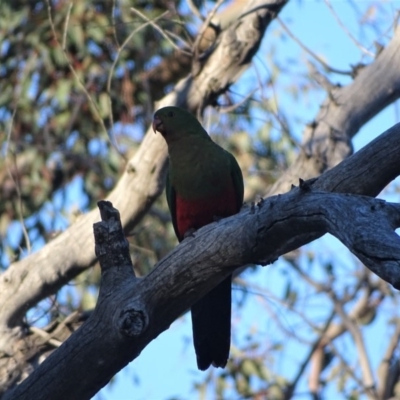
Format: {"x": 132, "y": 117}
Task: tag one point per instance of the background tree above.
{"x": 79, "y": 83}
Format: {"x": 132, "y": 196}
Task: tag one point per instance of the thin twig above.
{"x": 113, "y": 65}
{"x": 193, "y": 8}
{"x": 95, "y": 110}
{"x": 159, "y": 29}
{"x": 46, "y": 336}
{"x": 368, "y": 378}
{"x": 347, "y": 32}
{"x": 292, "y": 386}
{"x": 271, "y": 298}
{"x": 384, "y": 375}
{"x": 20, "y": 207}
{"x": 114, "y": 24}
{"x": 344, "y": 363}
{"x": 204, "y": 28}
{"x": 16, "y": 179}
{"x": 42, "y": 311}
{"x": 285, "y": 131}
{"x": 311, "y": 53}
{"x": 64, "y": 42}
{"x": 179, "y": 39}
{"x": 233, "y": 107}
{"x": 319, "y": 287}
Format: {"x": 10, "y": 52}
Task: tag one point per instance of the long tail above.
{"x": 211, "y": 322}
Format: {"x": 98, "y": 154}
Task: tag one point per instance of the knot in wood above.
{"x": 132, "y": 322}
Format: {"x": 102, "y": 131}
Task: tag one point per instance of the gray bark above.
{"x": 131, "y": 312}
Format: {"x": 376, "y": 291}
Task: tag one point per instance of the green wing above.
{"x": 171, "y": 200}
{"x": 237, "y": 179}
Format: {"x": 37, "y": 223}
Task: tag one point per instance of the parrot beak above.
{"x": 157, "y": 124}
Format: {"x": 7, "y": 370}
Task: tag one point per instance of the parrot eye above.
{"x": 171, "y": 114}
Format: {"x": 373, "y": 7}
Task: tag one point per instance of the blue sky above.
{"x": 167, "y": 367}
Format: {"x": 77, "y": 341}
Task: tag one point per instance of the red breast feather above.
{"x": 193, "y": 214}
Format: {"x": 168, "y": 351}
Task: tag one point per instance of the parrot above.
{"x": 204, "y": 184}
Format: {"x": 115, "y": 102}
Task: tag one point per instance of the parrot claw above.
{"x": 189, "y": 233}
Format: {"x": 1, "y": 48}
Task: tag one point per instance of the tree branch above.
{"x": 359, "y": 310}
{"x": 131, "y": 312}
{"x": 326, "y": 141}
{"x": 388, "y": 370}
{"x": 368, "y": 383}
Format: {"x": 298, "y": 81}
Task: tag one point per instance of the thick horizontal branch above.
{"x": 131, "y": 312}
{"x": 135, "y": 312}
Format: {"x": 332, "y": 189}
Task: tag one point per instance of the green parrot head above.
{"x": 174, "y": 123}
